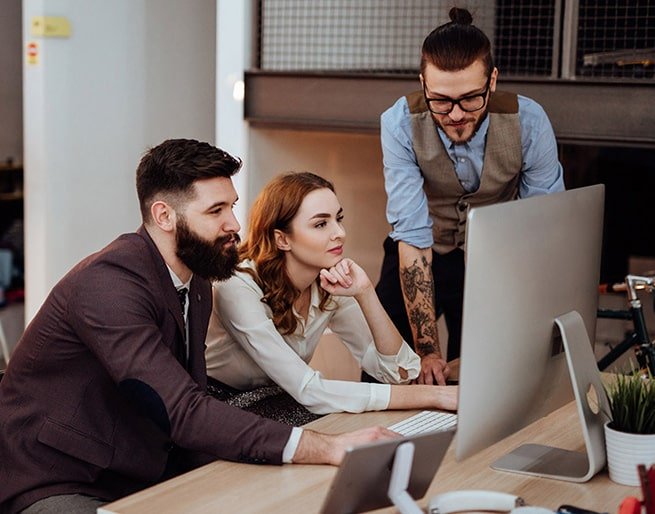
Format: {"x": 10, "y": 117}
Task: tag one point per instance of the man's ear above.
{"x": 163, "y": 215}
{"x": 420, "y": 79}
{"x": 281, "y": 241}
{"x": 494, "y": 78}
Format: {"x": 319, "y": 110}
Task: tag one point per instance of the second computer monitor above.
{"x": 528, "y": 262}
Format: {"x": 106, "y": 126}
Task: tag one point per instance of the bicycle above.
{"x": 638, "y": 339}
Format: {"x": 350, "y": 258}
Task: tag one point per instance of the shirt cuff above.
{"x": 292, "y": 445}
{"x": 406, "y": 359}
{"x": 380, "y": 397}
{"x": 419, "y": 238}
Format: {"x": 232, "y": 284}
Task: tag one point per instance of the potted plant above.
{"x": 630, "y": 435}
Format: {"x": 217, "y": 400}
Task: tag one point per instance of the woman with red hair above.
{"x": 294, "y": 282}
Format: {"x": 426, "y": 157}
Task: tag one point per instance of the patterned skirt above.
{"x": 271, "y": 402}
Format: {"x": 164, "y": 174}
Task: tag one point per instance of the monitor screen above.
{"x": 528, "y": 262}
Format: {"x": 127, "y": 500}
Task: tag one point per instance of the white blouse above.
{"x": 245, "y": 349}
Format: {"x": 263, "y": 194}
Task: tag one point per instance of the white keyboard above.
{"x": 425, "y": 421}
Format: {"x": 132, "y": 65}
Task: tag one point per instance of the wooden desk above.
{"x": 245, "y": 488}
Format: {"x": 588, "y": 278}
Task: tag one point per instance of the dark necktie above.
{"x": 181, "y": 296}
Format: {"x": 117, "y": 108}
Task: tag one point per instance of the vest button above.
{"x": 462, "y": 206}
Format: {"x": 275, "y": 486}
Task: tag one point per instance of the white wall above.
{"x": 133, "y": 73}
{"x": 233, "y": 53}
{"x": 353, "y": 162}
{"x": 11, "y": 98}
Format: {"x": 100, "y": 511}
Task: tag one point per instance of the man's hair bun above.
{"x": 460, "y": 16}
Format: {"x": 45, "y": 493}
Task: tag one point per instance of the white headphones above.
{"x": 467, "y": 500}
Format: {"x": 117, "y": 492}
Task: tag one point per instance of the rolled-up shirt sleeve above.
{"x": 386, "y": 367}
{"x": 542, "y": 172}
{"x": 407, "y": 206}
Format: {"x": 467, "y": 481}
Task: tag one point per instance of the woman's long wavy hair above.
{"x": 275, "y": 208}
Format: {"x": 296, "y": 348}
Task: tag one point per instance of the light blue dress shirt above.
{"x": 407, "y": 206}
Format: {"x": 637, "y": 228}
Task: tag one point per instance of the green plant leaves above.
{"x": 632, "y": 404}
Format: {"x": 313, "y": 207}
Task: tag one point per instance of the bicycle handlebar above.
{"x": 635, "y": 282}
{"x": 632, "y": 284}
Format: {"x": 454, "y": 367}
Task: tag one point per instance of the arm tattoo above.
{"x": 414, "y": 280}
{"x": 423, "y": 349}
{"x": 424, "y": 324}
{"x": 418, "y": 286}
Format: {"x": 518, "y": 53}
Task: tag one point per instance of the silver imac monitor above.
{"x": 530, "y": 264}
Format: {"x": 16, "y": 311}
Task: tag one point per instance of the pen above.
{"x": 647, "y": 479}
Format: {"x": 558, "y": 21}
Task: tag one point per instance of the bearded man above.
{"x": 455, "y": 144}
{"x": 105, "y": 393}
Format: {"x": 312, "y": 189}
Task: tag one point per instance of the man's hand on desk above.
{"x": 317, "y": 448}
{"x": 434, "y": 370}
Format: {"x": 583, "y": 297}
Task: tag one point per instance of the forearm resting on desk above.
{"x": 423, "y": 397}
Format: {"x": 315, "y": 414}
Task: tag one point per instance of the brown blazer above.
{"x": 94, "y": 400}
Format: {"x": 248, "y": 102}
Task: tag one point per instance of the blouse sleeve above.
{"x": 349, "y": 323}
{"x": 248, "y": 321}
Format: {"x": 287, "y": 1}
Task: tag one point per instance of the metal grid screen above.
{"x": 525, "y": 35}
{"x": 612, "y": 38}
{"x": 616, "y": 39}
{"x": 354, "y": 36}
{"x": 386, "y": 35}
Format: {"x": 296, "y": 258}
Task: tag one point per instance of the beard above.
{"x": 211, "y": 260}
{"x": 460, "y": 131}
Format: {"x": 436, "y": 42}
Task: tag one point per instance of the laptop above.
{"x": 362, "y": 481}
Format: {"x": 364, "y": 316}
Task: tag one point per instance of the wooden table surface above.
{"x": 244, "y": 488}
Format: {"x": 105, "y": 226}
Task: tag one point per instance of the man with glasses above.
{"x": 456, "y": 144}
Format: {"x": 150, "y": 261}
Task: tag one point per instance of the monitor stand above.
{"x": 549, "y": 462}
{"x": 400, "y": 474}
{"x": 453, "y": 501}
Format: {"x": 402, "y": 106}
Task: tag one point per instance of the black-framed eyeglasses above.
{"x": 469, "y": 103}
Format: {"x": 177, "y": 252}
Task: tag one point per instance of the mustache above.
{"x": 230, "y": 238}
{"x": 465, "y": 120}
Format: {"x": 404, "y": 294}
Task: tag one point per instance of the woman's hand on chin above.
{"x": 346, "y": 278}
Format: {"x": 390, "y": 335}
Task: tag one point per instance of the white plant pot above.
{"x": 625, "y": 451}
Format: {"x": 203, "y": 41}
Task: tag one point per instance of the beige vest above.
{"x": 448, "y": 201}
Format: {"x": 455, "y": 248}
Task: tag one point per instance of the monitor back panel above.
{"x": 527, "y": 262}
